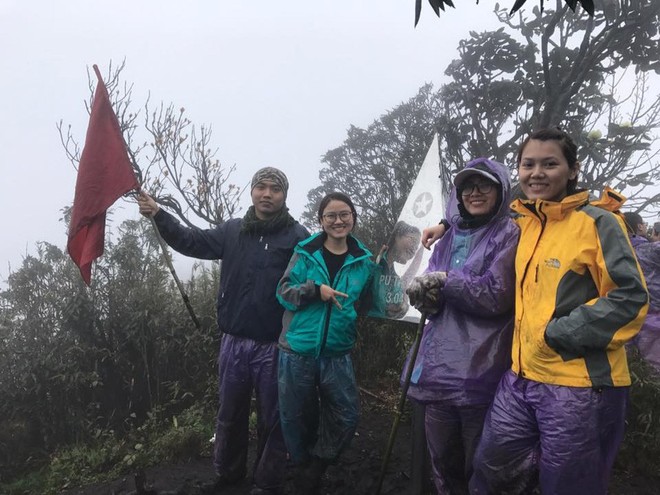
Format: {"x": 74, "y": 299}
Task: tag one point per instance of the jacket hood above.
{"x": 610, "y": 200}
{"x": 496, "y": 169}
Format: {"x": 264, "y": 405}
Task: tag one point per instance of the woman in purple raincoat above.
{"x": 648, "y": 338}
{"x": 468, "y": 291}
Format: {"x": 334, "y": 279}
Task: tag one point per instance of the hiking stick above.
{"x": 168, "y": 261}
{"x": 402, "y": 401}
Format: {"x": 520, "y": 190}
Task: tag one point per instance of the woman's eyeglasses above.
{"x": 342, "y": 215}
{"x": 483, "y": 188}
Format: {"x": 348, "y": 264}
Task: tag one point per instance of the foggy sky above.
{"x": 279, "y": 82}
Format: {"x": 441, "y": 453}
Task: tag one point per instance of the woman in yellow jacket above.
{"x": 558, "y": 415}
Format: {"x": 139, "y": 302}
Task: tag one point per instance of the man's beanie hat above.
{"x": 271, "y": 174}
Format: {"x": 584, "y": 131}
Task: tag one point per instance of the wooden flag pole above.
{"x": 168, "y": 261}
{"x": 170, "y": 265}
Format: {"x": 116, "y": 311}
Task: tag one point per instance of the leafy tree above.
{"x": 547, "y": 68}
{"x": 558, "y": 69}
{"x": 380, "y": 158}
{"x": 76, "y": 361}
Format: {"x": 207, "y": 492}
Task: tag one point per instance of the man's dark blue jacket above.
{"x": 252, "y": 265}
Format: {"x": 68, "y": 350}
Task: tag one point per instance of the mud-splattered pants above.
{"x": 565, "y": 438}
{"x": 319, "y": 405}
{"x": 245, "y": 365}
{"x": 452, "y": 435}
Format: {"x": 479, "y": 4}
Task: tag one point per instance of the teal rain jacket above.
{"x": 312, "y": 327}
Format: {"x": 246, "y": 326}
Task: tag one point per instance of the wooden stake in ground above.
{"x": 402, "y": 402}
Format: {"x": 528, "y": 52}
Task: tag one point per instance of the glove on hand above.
{"x": 432, "y": 301}
{"x": 432, "y": 279}
{"x": 425, "y": 291}
{"x": 415, "y": 291}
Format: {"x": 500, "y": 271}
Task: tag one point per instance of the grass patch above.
{"x": 161, "y": 439}
{"x": 640, "y": 451}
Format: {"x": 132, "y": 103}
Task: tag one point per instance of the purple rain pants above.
{"x": 565, "y": 438}
{"x": 243, "y": 365}
{"x": 452, "y": 436}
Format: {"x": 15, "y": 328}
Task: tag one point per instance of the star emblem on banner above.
{"x": 422, "y": 205}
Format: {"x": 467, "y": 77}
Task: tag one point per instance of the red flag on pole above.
{"x": 104, "y": 175}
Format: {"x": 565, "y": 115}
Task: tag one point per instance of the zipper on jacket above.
{"x": 542, "y": 218}
{"x": 326, "y": 326}
{"x": 328, "y": 311}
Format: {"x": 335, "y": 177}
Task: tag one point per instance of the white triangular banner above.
{"x": 424, "y": 207}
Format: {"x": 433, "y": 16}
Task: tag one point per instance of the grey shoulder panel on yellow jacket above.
{"x": 591, "y": 328}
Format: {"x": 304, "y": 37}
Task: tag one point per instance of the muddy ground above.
{"x": 356, "y": 474}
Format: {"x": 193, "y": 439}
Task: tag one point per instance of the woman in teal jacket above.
{"x": 319, "y": 402}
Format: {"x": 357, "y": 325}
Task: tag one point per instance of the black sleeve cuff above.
{"x": 445, "y": 223}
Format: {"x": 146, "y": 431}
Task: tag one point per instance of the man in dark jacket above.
{"x": 255, "y": 251}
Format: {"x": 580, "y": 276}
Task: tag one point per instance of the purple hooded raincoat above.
{"x": 648, "y": 338}
{"x": 466, "y": 347}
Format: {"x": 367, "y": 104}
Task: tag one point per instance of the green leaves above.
{"x": 438, "y": 5}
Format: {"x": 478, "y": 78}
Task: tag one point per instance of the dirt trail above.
{"x": 356, "y": 473}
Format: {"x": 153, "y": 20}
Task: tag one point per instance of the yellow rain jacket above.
{"x": 580, "y": 293}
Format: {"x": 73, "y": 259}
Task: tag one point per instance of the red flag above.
{"x": 104, "y": 174}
